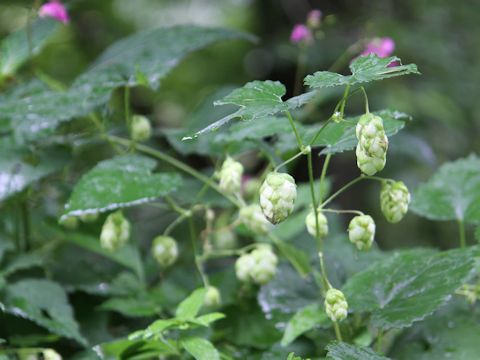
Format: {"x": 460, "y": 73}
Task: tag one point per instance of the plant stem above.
{"x": 322, "y": 177}
{"x": 289, "y": 160}
{"x": 297, "y": 135}
{"x": 378, "y": 345}
{"x": 461, "y": 231}
{"x": 314, "y": 202}
{"x": 343, "y": 211}
{"x": 198, "y": 258}
{"x": 126, "y": 101}
{"x": 367, "y": 110}
{"x": 338, "y": 333}
{"x": 176, "y": 163}
{"x": 341, "y": 190}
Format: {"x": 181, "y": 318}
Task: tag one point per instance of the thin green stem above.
{"x": 461, "y": 231}
{"x": 288, "y": 161}
{"x": 344, "y": 99}
{"x": 175, "y": 163}
{"x": 341, "y": 190}
{"x": 345, "y": 57}
{"x": 338, "y": 333}
{"x": 357, "y": 212}
{"x": 367, "y": 110}
{"x": 297, "y": 135}
{"x": 378, "y": 344}
{"x": 126, "y": 101}
{"x": 174, "y": 224}
{"x": 314, "y": 202}
{"x": 198, "y": 257}
{"x": 321, "y": 186}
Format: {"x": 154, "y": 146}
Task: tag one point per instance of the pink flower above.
{"x": 300, "y": 33}
{"x": 313, "y": 18}
{"x": 382, "y": 47}
{"x": 54, "y": 9}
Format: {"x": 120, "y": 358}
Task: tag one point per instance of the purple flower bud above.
{"x": 54, "y": 9}
{"x": 382, "y": 47}
{"x": 313, "y": 18}
{"x": 301, "y": 33}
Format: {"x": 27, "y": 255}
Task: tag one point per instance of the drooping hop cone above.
{"x": 361, "y": 231}
{"x": 253, "y": 218}
{"x": 140, "y": 128}
{"x": 212, "y": 297}
{"x": 115, "y": 231}
{"x": 164, "y": 250}
{"x": 394, "y": 200}
{"x": 277, "y": 196}
{"x": 311, "y": 224}
{"x": 336, "y": 305}
{"x": 372, "y": 145}
{"x": 258, "y": 267}
{"x": 231, "y": 176}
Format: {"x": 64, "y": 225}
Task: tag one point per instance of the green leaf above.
{"x": 477, "y": 233}
{"x": 200, "y": 349}
{"x": 296, "y": 257}
{"x": 190, "y": 307}
{"x": 452, "y": 193}
{"x": 154, "y": 329}
{"x": 344, "y": 351}
{"x": 207, "y": 319}
{"x": 364, "y": 69}
{"x": 304, "y": 320}
{"x": 257, "y": 100}
{"x": 408, "y": 286}
{"x": 117, "y": 183}
{"x": 132, "y": 306}
{"x": 45, "y": 303}
{"x": 22, "y": 262}
{"x": 18, "y": 47}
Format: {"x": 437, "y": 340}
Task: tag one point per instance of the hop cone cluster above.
{"x": 165, "y": 250}
{"x": 115, "y": 231}
{"x": 394, "y": 200}
{"x": 361, "y": 231}
{"x": 140, "y": 128}
{"x": 336, "y": 305}
{"x": 259, "y": 266}
{"x": 231, "y": 176}
{"x": 312, "y": 226}
{"x": 372, "y": 144}
{"x": 253, "y": 218}
{"x": 277, "y": 196}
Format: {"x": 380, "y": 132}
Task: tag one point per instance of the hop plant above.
{"x": 336, "y": 305}
{"x": 372, "y": 144}
{"x": 165, "y": 250}
{"x": 212, "y": 297}
{"x": 115, "y": 231}
{"x": 277, "y": 196}
{"x": 312, "y": 226}
{"x": 89, "y": 218}
{"x": 253, "y": 218}
{"x": 231, "y": 176}
{"x": 259, "y": 266}
{"x": 394, "y": 200}
{"x": 70, "y": 222}
{"x": 224, "y": 239}
{"x": 140, "y": 128}
{"x": 361, "y": 231}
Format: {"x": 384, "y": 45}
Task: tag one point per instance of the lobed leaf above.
{"x": 200, "y": 349}
{"x": 344, "y": 351}
{"x": 190, "y": 307}
{"x": 304, "y": 320}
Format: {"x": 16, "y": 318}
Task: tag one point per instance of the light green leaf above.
{"x": 304, "y": 320}
{"x": 18, "y": 47}
{"x": 408, "y": 286}
{"x": 452, "y": 193}
{"x": 117, "y": 183}
{"x": 132, "y": 306}
{"x": 344, "y": 351}
{"x": 32, "y": 298}
{"x": 207, "y": 319}
{"x": 201, "y": 349}
{"x": 364, "y": 69}
{"x": 190, "y": 307}
{"x": 154, "y": 329}
{"x": 298, "y": 258}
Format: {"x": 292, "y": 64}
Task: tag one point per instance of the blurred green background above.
{"x": 440, "y": 36}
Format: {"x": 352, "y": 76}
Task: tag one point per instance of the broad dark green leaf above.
{"x": 117, "y": 183}
{"x": 344, "y": 351}
{"x": 45, "y": 303}
{"x": 364, "y": 69}
{"x": 304, "y": 320}
{"x": 408, "y": 286}
{"x": 190, "y": 307}
{"x": 452, "y": 193}
{"x": 200, "y": 349}
{"x": 22, "y": 262}
{"x": 20, "y": 46}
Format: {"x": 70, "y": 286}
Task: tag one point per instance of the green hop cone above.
{"x": 336, "y": 305}
{"x": 259, "y": 266}
{"x": 165, "y": 250}
{"x": 394, "y": 200}
{"x": 115, "y": 231}
{"x": 372, "y": 145}
{"x": 361, "y": 231}
{"x": 231, "y": 176}
{"x": 253, "y": 218}
{"x": 277, "y": 196}
{"x": 212, "y": 297}
{"x": 140, "y": 128}
{"x": 243, "y": 267}
{"x": 311, "y": 224}
{"x": 224, "y": 239}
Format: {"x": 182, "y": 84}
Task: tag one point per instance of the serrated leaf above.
{"x": 200, "y": 349}
{"x": 154, "y": 329}
{"x": 304, "y": 320}
{"x": 409, "y": 286}
{"x": 190, "y": 307}
{"x": 344, "y": 351}
{"x": 452, "y": 193}
{"x": 22, "y": 262}
{"x": 118, "y": 183}
{"x": 30, "y": 298}
{"x": 18, "y": 47}
{"x": 364, "y": 69}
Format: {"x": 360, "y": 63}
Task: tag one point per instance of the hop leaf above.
{"x": 372, "y": 144}
{"x": 259, "y": 266}
{"x": 212, "y": 297}
{"x": 165, "y": 250}
{"x": 115, "y": 231}
{"x": 231, "y": 176}
{"x": 277, "y": 196}
{"x": 336, "y": 305}
{"x": 394, "y": 200}
{"x": 140, "y": 129}
{"x": 361, "y": 231}
{"x": 254, "y": 219}
{"x": 312, "y": 226}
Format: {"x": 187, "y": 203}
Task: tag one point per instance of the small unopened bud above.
{"x": 361, "y": 231}
{"x": 140, "y": 128}
{"x": 115, "y": 231}
{"x": 224, "y": 239}
{"x": 231, "y": 176}
{"x": 212, "y": 297}
{"x": 336, "y": 305}
{"x": 314, "y": 18}
{"x": 253, "y": 218}
{"x": 312, "y": 225}
{"x": 165, "y": 250}
{"x": 394, "y": 200}
{"x": 277, "y": 196}
{"x": 372, "y": 145}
